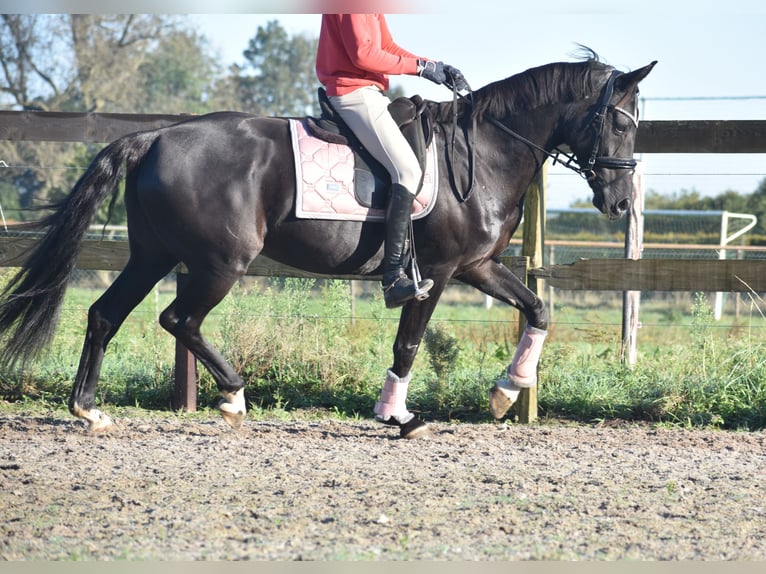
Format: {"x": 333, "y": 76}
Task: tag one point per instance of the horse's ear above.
{"x": 631, "y": 79}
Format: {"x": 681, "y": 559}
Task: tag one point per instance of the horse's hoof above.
{"x": 234, "y": 420}
{"x": 97, "y": 421}
{"x": 413, "y": 428}
{"x": 233, "y": 408}
{"x": 499, "y": 403}
{"x": 102, "y": 425}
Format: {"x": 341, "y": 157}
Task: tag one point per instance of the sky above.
{"x": 709, "y": 52}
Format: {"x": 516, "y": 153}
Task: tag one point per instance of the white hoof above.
{"x": 98, "y": 421}
{"x": 233, "y": 408}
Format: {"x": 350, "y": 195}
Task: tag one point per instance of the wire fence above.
{"x": 559, "y": 249}
{"x": 556, "y": 251}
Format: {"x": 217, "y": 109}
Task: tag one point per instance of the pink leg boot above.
{"x": 393, "y": 399}
{"x": 391, "y": 409}
{"x": 523, "y": 369}
{"x": 521, "y": 373}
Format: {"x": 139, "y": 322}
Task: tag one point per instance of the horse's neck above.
{"x": 501, "y": 150}
{"x": 515, "y": 141}
{"x": 537, "y": 103}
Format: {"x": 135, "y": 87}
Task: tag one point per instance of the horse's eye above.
{"x": 620, "y": 123}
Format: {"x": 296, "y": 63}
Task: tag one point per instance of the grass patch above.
{"x": 301, "y": 347}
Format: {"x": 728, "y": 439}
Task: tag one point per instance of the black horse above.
{"x": 215, "y": 191}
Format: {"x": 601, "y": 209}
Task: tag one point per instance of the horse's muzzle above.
{"x": 613, "y": 211}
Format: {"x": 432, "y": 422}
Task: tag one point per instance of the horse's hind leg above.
{"x": 183, "y": 319}
{"x": 105, "y": 317}
{"x": 391, "y": 409}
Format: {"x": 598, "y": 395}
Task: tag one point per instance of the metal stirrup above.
{"x": 420, "y": 294}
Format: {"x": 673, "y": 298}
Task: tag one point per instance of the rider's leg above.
{"x": 366, "y": 112}
{"x": 397, "y": 287}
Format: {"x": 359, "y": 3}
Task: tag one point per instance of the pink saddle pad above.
{"x": 324, "y": 173}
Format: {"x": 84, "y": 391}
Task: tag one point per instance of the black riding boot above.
{"x": 397, "y": 287}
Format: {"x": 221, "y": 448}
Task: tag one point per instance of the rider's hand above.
{"x": 432, "y": 70}
{"x": 442, "y": 73}
{"x": 455, "y": 79}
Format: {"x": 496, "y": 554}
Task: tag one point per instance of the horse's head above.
{"x": 605, "y": 140}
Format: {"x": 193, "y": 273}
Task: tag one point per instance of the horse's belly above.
{"x": 326, "y": 248}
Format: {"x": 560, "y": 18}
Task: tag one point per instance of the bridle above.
{"x": 597, "y": 121}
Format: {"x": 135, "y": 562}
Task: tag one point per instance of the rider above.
{"x": 355, "y": 57}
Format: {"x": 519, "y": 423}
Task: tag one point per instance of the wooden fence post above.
{"x": 634, "y": 244}
{"x": 185, "y": 389}
{"x": 532, "y": 248}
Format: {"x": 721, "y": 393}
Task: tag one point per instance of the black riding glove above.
{"x": 432, "y": 70}
{"x": 441, "y": 73}
{"x": 455, "y": 79}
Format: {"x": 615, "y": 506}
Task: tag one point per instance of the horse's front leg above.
{"x": 496, "y": 280}
{"x": 391, "y": 409}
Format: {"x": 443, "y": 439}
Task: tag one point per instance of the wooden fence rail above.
{"x": 658, "y": 136}
{"x": 112, "y": 255}
{"x": 710, "y": 275}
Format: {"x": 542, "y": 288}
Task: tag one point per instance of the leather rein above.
{"x": 597, "y": 119}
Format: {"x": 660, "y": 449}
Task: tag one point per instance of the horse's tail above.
{"x": 30, "y": 303}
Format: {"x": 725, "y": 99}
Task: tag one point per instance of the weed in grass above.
{"x": 443, "y": 352}
{"x": 700, "y": 335}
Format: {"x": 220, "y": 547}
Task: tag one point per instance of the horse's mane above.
{"x": 549, "y": 84}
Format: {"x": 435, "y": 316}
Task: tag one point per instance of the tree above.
{"x": 96, "y": 64}
{"x": 178, "y": 76}
{"x": 283, "y": 81}
{"x": 104, "y": 63}
{"x": 25, "y": 76}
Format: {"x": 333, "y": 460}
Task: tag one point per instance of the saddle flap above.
{"x": 325, "y": 131}
{"x": 406, "y": 113}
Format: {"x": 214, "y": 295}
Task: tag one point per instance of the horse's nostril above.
{"x": 624, "y": 205}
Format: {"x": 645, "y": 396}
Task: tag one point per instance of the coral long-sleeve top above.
{"x": 357, "y": 50}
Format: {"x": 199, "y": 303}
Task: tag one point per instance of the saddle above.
{"x": 371, "y": 180}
